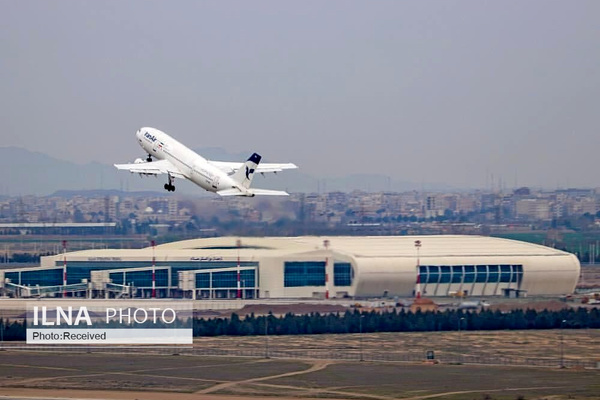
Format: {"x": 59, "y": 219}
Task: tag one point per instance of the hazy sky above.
{"x": 424, "y": 91}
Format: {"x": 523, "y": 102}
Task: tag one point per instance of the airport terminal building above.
{"x": 304, "y": 267}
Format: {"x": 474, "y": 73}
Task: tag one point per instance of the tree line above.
{"x": 398, "y": 321}
{"x": 368, "y": 322}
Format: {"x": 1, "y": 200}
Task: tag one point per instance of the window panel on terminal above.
{"x": 247, "y": 278}
{"x": 294, "y": 269}
{"x": 518, "y": 269}
{"x": 47, "y": 277}
{"x": 315, "y": 274}
{"x": 457, "y": 273}
{"x": 141, "y": 278}
{"x": 445, "y": 278}
{"x": 315, "y": 279}
{"x": 118, "y": 278}
{"x": 226, "y": 279}
{"x": 434, "y": 274}
{"x": 505, "y": 273}
{"x": 315, "y": 267}
{"x": 294, "y": 282}
{"x": 304, "y": 273}
{"x": 203, "y": 280}
{"x": 481, "y": 275}
{"x": 469, "y": 274}
{"x": 494, "y": 275}
{"x": 342, "y": 274}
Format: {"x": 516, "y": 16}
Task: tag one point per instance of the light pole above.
{"x": 326, "y": 245}
{"x": 418, "y": 288}
{"x": 64, "y": 243}
{"x": 562, "y": 349}
{"x": 153, "y": 270}
{"x": 238, "y": 244}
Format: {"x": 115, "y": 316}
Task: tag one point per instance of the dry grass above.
{"x": 580, "y": 345}
{"x": 200, "y": 378}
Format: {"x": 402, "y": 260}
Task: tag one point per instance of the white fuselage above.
{"x": 193, "y": 166}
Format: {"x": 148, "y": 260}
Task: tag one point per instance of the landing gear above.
{"x": 169, "y": 187}
{"x": 149, "y": 159}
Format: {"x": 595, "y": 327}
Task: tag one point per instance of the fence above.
{"x": 301, "y": 354}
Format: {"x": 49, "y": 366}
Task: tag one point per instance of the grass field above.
{"x": 144, "y": 376}
{"x": 578, "y": 345}
{"x": 182, "y": 377}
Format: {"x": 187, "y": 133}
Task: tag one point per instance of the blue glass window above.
{"x": 141, "y": 278}
{"x": 434, "y": 274}
{"x": 445, "y": 274}
{"x": 494, "y": 276}
{"x": 225, "y": 279}
{"x": 457, "y": 273}
{"x": 78, "y": 270}
{"x": 481, "y": 275}
{"x": 342, "y": 274}
{"x": 248, "y": 278}
{"x": 42, "y": 277}
{"x": 517, "y": 273}
{"x": 505, "y": 273}
{"x": 424, "y": 274}
{"x": 304, "y": 273}
{"x": 203, "y": 280}
{"x": 469, "y": 274}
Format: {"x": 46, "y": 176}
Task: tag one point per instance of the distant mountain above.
{"x": 105, "y": 193}
{"x": 26, "y": 172}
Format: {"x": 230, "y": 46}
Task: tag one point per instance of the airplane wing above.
{"x": 251, "y": 192}
{"x": 231, "y": 167}
{"x": 152, "y": 168}
{"x": 271, "y": 167}
{"x": 267, "y": 192}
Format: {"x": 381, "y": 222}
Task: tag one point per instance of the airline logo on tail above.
{"x": 244, "y": 176}
{"x": 248, "y": 172}
{"x": 251, "y": 165}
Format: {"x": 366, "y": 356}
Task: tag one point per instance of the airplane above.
{"x": 177, "y": 161}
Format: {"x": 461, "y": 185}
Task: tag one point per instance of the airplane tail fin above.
{"x": 245, "y": 174}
